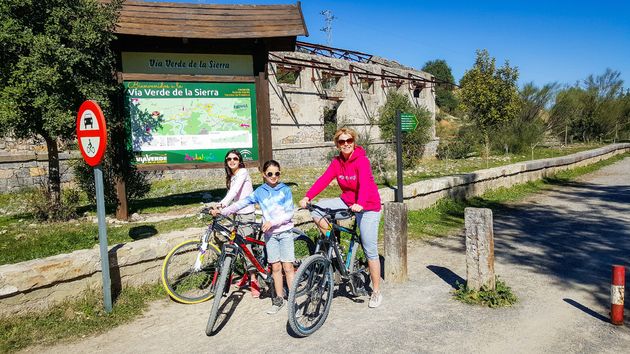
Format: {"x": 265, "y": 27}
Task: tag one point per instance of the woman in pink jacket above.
{"x": 351, "y": 169}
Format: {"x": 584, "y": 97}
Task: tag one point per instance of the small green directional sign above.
{"x": 408, "y": 122}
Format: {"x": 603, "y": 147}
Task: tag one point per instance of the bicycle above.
{"x": 189, "y": 270}
{"x": 235, "y": 249}
{"x": 311, "y": 293}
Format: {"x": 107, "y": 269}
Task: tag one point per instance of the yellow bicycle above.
{"x": 190, "y": 270}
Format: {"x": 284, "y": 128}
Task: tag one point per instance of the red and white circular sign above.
{"x": 91, "y": 132}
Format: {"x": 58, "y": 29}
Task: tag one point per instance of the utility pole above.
{"x": 329, "y": 17}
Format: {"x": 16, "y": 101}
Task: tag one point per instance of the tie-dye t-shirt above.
{"x": 276, "y": 204}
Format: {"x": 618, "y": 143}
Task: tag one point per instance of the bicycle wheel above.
{"x": 308, "y": 309}
{"x": 185, "y": 282}
{"x": 304, "y": 247}
{"x": 226, "y": 269}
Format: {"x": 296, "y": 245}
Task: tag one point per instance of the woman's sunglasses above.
{"x": 342, "y": 142}
{"x": 228, "y": 159}
{"x": 270, "y": 174}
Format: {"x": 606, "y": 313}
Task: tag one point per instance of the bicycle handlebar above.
{"x": 336, "y": 214}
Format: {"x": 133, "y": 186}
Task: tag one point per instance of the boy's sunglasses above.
{"x": 270, "y": 174}
{"x": 228, "y": 159}
{"x": 342, "y": 142}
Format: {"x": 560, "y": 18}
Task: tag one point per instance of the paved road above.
{"x": 555, "y": 249}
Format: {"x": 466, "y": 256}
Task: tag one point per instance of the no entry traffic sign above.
{"x": 92, "y": 136}
{"x": 91, "y": 132}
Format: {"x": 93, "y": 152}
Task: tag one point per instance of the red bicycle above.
{"x": 235, "y": 250}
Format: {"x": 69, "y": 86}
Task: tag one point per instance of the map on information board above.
{"x": 181, "y": 122}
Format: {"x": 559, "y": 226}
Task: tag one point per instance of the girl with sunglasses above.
{"x": 276, "y": 202}
{"x": 239, "y": 185}
{"x": 351, "y": 169}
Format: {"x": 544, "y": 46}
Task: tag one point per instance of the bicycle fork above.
{"x": 203, "y": 249}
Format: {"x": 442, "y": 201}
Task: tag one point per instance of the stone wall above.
{"x": 30, "y": 170}
{"x": 38, "y": 284}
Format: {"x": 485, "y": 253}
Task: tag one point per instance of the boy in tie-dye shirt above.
{"x": 276, "y": 202}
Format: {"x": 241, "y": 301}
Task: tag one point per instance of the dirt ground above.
{"x": 554, "y": 249}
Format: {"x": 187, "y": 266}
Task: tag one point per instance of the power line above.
{"x": 329, "y": 17}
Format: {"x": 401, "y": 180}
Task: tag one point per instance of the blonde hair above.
{"x": 348, "y": 131}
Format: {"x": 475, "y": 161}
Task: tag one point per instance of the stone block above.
{"x": 37, "y": 171}
{"x": 6, "y": 173}
{"x": 479, "y": 248}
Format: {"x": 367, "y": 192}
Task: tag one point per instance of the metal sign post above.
{"x": 102, "y": 239}
{"x": 399, "y": 161}
{"x": 92, "y": 137}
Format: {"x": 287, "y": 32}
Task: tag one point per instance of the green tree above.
{"x": 55, "y": 54}
{"x": 413, "y": 142}
{"x": 527, "y": 130}
{"x": 489, "y": 96}
{"x": 444, "y": 96}
{"x": 592, "y": 109}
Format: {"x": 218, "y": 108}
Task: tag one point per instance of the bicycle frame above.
{"x": 329, "y": 245}
{"x": 237, "y": 245}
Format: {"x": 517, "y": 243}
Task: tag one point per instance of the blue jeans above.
{"x": 367, "y": 220}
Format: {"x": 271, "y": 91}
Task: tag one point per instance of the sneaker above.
{"x": 254, "y": 288}
{"x": 276, "y": 305}
{"x": 375, "y": 299}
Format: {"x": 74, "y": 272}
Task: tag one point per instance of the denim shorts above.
{"x": 280, "y": 247}
{"x": 367, "y": 220}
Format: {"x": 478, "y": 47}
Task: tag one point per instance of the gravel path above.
{"x": 554, "y": 249}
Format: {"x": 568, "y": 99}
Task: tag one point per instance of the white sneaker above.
{"x": 276, "y": 305}
{"x": 375, "y": 299}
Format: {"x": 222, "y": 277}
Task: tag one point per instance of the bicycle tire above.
{"x": 184, "y": 284}
{"x": 309, "y": 309}
{"x": 304, "y": 247}
{"x": 221, "y": 285}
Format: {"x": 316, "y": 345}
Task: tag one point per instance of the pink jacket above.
{"x": 355, "y": 179}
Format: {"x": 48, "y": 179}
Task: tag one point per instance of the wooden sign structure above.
{"x": 173, "y": 47}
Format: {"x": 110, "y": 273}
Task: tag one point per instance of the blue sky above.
{"x": 563, "y": 41}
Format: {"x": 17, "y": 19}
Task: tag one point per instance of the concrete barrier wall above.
{"x": 38, "y": 284}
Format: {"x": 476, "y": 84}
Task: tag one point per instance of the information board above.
{"x": 191, "y": 122}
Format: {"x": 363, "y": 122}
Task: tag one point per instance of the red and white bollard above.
{"x": 616, "y": 294}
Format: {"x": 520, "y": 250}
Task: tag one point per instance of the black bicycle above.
{"x": 235, "y": 250}
{"x": 311, "y": 293}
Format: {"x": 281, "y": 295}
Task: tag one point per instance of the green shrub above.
{"x": 502, "y": 296}
{"x": 413, "y": 142}
{"x": 467, "y": 143}
{"x": 136, "y": 183}
{"x": 518, "y": 136}
{"x": 42, "y": 207}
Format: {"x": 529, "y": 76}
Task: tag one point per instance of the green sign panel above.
{"x": 191, "y": 122}
{"x": 187, "y": 63}
{"x": 408, "y": 122}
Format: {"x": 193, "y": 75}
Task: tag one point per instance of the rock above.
{"x": 136, "y": 217}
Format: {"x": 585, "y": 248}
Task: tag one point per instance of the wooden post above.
{"x": 122, "y": 211}
{"x": 395, "y": 229}
{"x": 479, "y": 248}
{"x": 263, "y": 106}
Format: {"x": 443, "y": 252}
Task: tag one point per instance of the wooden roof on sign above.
{"x": 206, "y": 21}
